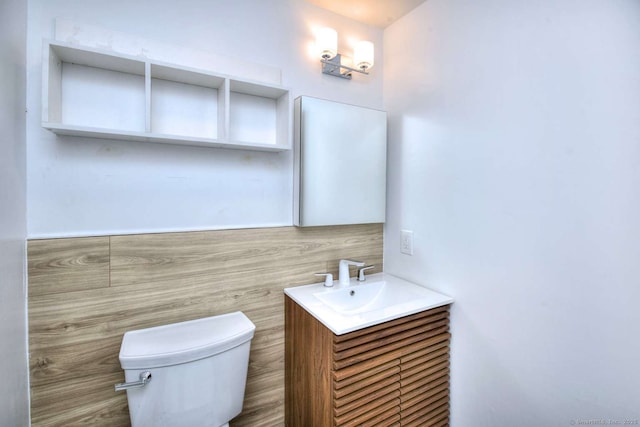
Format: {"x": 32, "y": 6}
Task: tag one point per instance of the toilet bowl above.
{"x": 187, "y": 374}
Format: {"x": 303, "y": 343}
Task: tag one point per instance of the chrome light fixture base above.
{"x": 333, "y": 67}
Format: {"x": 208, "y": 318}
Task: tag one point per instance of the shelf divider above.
{"x": 147, "y": 97}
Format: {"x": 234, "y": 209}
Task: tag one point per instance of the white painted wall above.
{"x": 515, "y": 159}
{"x": 82, "y": 186}
{"x": 14, "y": 395}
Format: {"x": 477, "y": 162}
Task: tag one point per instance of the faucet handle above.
{"x": 328, "y": 278}
{"x": 361, "y": 271}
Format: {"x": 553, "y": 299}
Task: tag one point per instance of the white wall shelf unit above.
{"x": 92, "y": 93}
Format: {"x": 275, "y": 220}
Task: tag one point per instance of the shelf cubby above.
{"x": 92, "y": 93}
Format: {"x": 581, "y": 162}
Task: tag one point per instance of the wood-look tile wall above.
{"x": 85, "y": 293}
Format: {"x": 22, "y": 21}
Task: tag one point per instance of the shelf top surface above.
{"x": 137, "y": 65}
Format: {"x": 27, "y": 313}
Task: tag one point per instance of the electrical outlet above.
{"x": 406, "y": 242}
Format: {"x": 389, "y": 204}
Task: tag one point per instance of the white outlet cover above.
{"x": 406, "y": 242}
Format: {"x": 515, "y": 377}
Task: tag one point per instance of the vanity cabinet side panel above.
{"x": 308, "y": 372}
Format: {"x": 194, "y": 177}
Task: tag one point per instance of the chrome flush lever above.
{"x": 145, "y": 378}
{"x": 361, "y": 271}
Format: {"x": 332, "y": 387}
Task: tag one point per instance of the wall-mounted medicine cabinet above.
{"x": 340, "y": 163}
{"x": 93, "y": 93}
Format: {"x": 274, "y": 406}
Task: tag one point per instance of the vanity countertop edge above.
{"x": 340, "y": 323}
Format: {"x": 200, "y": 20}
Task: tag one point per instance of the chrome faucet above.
{"x": 361, "y": 277}
{"x": 343, "y": 270}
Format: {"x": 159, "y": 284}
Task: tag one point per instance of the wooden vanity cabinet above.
{"x": 392, "y": 374}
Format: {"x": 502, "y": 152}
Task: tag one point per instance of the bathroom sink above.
{"x": 382, "y": 297}
{"x": 356, "y": 299}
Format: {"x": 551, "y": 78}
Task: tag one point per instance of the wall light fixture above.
{"x": 327, "y": 45}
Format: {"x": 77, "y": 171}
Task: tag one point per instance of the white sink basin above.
{"x": 381, "y": 298}
{"x": 357, "y": 299}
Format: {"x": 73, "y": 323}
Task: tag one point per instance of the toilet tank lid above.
{"x": 185, "y": 341}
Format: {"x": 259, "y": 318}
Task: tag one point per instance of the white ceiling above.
{"x": 379, "y": 13}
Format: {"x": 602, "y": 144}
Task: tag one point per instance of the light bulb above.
{"x": 327, "y": 42}
{"x": 363, "y": 55}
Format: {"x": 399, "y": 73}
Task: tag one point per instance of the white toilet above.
{"x": 187, "y": 374}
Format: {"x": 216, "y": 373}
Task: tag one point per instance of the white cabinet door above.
{"x": 341, "y": 160}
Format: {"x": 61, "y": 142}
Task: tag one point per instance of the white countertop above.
{"x": 416, "y": 299}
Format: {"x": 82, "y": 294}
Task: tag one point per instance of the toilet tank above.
{"x": 198, "y": 371}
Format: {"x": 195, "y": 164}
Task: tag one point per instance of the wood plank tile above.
{"x": 67, "y": 265}
{"x": 51, "y": 365}
{"x": 80, "y": 317}
{"x": 84, "y": 400}
{"x": 193, "y": 256}
{"x": 75, "y": 330}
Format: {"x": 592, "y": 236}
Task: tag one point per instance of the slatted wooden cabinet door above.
{"x": 392, "y": 374}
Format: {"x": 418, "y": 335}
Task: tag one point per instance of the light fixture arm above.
{"x": 334, "y": 67}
